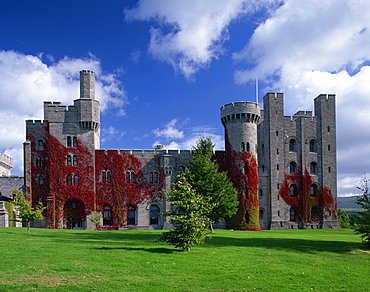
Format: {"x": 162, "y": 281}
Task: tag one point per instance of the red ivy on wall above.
{"x": 243, "y": 172}
{"x": 85, "y": 191}
{"x": 302, "y": 200}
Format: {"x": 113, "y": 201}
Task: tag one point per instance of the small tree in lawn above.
{"x": 26, "y": 213}
{"x": 95, "y": 217}
{"x": 191, "y": 224}
{"x": 204, "y": 177}
{"x": 363, "y": 220}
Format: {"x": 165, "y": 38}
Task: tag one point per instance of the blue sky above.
{"x": 165, "y": 67}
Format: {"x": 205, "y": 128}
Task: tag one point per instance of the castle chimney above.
{"x": 87, "y": 84}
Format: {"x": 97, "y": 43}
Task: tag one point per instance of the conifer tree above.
{"x": 191, "y": 224}
{"x": 204, "y": 177}
{"x": 363, "y": 220}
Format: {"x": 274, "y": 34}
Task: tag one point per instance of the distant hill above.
{"x": 347, "y": 202}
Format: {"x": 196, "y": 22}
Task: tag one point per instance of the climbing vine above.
{"x": 243, "y": 172}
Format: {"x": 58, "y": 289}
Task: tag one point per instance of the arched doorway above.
{"x": 74, "y": 214}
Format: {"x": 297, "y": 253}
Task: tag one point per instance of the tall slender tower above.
{"x": 240, "y": 121}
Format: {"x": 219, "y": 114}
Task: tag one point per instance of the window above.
{"x": 247, "y": 217}
{"x": 260, "y": 192}
{"x": 106, "y": 176}
{"x": 314, "y": 213}
{"x": 75, "y": 180}
{"x": 292, "y": 214}
{"x": 278, "y": 213}
{"x": 277, "y": 151}
{"x": 130, "y": 176}
{"x": 292, "y": 145}
{"x": 328, "y": 128}
{"x": 69, "y": 160}
{"x": 69, "y": 180}
{"x": 153, "y": 177}
{"x": 154, "y": 214}
{"x": 74, "y": 142}
{"x": 293, "y": 190}
{"x": 180, "y": 170}
{"x": 313, "y": 190}
{"x": 277, "y": 133}
{"x": 261, "y": 214}
{"x": 246, "y": 168}
{"x": 107, "y": 216}
{"x": 131, "y": 215}
{"x": 41, "y": 180}
{"x": 277, "y": 167}
{"x": 329, "y": 147}
{"x": 313, "y": 168}
{"x": 248, "y": 147}
{"x": 243, "y": 147}
{"x": 313, "y": 145}
{"x": 329, "y": 169}
{"x": 69, "y": 141}
{"x": 293, "y": 168}
{"x": 40, "y": 145}
{"x": 263, "y": 168}
{"x": 74, "y": 160}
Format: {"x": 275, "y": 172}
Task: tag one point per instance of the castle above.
{"x": 283, "y": 167}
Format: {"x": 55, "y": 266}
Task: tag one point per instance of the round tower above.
{"x": 240, "y": 121}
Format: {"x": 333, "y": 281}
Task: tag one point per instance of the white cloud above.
{"x": 170, "y": 131}
{"x": 310, "y": 47}
{"x": 190, "y": 34}
{"x": 111, "y": 133}
{"x": 26, "y": 81}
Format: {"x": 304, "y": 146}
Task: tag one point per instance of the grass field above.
{"x": 289, "y": 260}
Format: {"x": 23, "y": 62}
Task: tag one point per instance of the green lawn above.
{"x": 289, "y": 260}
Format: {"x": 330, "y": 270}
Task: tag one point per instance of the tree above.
{"x": 204, "y": 177}
{"x": 363, "y": 221}
{"x": 26, "y": 213}
{"x": 95, "y": 217}
{"x": 189, "y": 219}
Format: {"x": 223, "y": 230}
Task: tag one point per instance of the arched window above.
{"x": 247, "y": 217}
{"x": 243, "y": 147}
{"x": 107, "y": 216}
{"x": 313, "y": 145}
{"x": 313, "y": 168}
{"x": 154, "y": 214}
{"x": 180, "y": 169}
{"x": 69, "y": 180}
{"x": 153, "y": 176}
{"x": 75, "y": 180}
{"x": 74, "y": 160}
{"x": 248, "y": 147}
{"x": 293, "y": 168}
{"x": 292, "y": 214}
{"x": 131, "y": 215}
{"x": 314, "y": 213}
{"x": 74, "y": 142}
{"x": 293, "y": 190}
{"x": 69, "y": 141}
{"x": 69, "y": 160}
{"x": 41, "y": 180}
{"x": 246, "y": 168}
{"x": 313, "y": 190}
{"x": 262, "y": 213}
{"x": 292, "y": 145}
{"x": 260, "y": 193}
{"x": 40, "y": 145}
{"x": 130, "y": 176}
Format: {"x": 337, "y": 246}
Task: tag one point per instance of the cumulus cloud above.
{"x": 174, "y": 138}
{"x": 111, "y": 133}
{"x": 310, "y": 47}
{"x": 26, "y": 81}
{"x": 190, "y": 34}
{"x": 170, "y": 131}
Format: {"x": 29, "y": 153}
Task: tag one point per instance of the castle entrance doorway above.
{"x": 74, "y": 214}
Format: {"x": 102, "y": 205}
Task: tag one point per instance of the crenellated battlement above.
{"x": 143, "y": 152}
{"x": 36, "y": 123}
{"x": 6, "y": 164}
{"x": 240, "y": 111}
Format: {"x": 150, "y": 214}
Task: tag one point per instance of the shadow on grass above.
{"x": 300, "y": 245}
{"x": 146, "y": 249}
